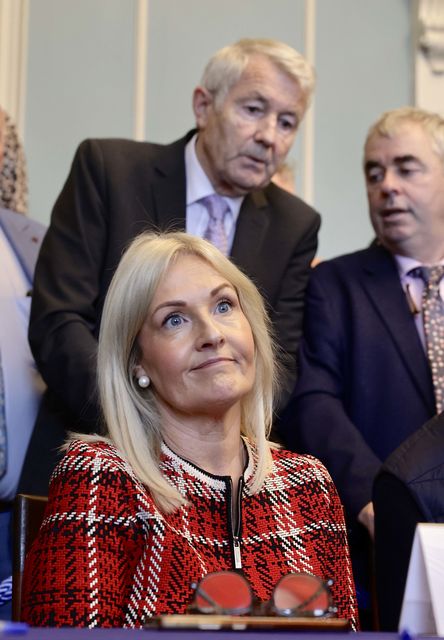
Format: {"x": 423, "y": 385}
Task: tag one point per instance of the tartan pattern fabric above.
{"x": 433, "y": 320}
{"x": 105, "y": 556}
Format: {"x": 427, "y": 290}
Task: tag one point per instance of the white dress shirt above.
{"x": 199, "y": 186}
{"x": 414, "y": 288}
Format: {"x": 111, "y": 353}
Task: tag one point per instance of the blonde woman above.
{"x": 185, "y": 482}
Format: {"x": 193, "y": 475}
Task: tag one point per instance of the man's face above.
{"x": 243, "y": 140}
{"x": 405, "y": 190}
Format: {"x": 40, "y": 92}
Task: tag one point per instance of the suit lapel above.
{"x": 169, "y": 186}
{"x": 381, "y": 281}
{"x": 251, "y": 230}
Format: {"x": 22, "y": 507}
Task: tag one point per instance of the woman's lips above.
{"x": 212, "y": 362}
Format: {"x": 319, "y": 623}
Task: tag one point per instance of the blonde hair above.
{"x": 389, "y": 122}
{"x": 130, "y": 413}
{"x": 226, "y": 66}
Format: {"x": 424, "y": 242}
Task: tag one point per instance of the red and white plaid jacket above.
{"x": 105, "y": 556}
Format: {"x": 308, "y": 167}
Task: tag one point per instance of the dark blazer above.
{"x": 364, "y": 382}
{"x": 408, "y": 489}
{"x": 116, "y": 189}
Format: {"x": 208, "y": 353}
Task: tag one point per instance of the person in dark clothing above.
{"x": 408, "y": 489}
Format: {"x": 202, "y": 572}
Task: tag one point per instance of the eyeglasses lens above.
{"x": 301, "y": 594}
{"x": 223, "y": 592}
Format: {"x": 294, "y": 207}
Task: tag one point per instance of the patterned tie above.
{"x": 433, "y": 320}
{"x": 2, "y": 424}
{"x": 215, "y": 232}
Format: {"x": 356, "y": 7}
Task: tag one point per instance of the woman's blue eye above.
{"x": 224, "y": 306}
{"x": 173, "y": 321}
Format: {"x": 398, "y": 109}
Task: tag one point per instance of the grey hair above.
{"x": 131, "y": 415}
{"x": 389, "y": 122}
{"x": 226, "y": 66}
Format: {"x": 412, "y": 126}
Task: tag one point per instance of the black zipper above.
{"x": 236, "y": 532}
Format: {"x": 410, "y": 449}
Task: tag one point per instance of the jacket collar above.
{"x": 380, "y": 279}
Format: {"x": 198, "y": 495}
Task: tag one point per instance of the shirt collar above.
{"x": 198, "y": 183}
{"x": 406, "y": 264}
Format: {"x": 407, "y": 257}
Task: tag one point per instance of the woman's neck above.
{"x": 212, "y": 444}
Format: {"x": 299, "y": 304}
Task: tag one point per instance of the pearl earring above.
{"x": 143, "y": 381}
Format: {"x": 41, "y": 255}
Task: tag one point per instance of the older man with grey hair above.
{"x": 215, "y": 183}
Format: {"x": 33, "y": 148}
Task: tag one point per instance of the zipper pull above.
{"x": 237, "y": 553}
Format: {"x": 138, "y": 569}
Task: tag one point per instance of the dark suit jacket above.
{"x": 116, "y": 189}
{"x": 408, "y": 489}
{"x": 364, "y": 381}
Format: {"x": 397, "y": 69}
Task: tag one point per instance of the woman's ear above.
{"x": 142, "y": 379}
{"x": 138, "y": 371}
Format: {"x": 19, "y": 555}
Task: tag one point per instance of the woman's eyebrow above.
{"x": 224, "y": 285}
{"x": 182, "y": 303}
{"x": 170, "y": 303}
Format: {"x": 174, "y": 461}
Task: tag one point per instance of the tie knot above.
{"x": 215, "y": 231}
{"x": 216, "y": 206}
{"x": 432, "y": 276}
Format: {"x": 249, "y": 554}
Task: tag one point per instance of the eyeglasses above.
{"x": 295, "y": 594}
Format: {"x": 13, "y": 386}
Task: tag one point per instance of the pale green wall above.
{"x": 185, "y": 33}
{"x": 81, "y": 83}
{"x": 363, "y": 69}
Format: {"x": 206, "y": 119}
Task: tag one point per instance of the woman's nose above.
{"x": 209, "y": 334}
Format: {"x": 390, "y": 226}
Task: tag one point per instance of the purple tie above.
{"x": 215, "y": 232}
{"x": 433, "y": 320}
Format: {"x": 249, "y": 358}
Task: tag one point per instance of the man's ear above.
{"x": 202, "y": 105}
